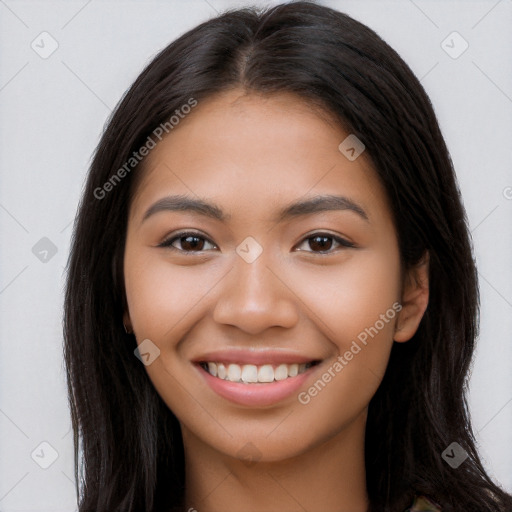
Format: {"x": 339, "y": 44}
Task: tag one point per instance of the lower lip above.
{"x": 256, "y": 394}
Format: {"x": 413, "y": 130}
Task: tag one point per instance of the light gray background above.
{"x": 52, "y": 112}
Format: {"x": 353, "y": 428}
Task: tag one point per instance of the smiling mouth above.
{"x": 255, "y": 374}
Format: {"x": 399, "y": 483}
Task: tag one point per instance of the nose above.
{"x": 254, "y": 297}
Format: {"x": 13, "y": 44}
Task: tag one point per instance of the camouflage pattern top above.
{"x": 423, "y": 504}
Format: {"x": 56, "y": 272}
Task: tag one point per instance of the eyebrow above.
{"x": 297, "y": 209}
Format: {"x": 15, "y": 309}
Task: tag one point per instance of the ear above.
{"x": 415, "y": 293}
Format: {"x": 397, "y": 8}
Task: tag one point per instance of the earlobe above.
{"x": 415, "y": 295}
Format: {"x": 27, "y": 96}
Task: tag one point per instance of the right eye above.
{"x": 191, "y": 242}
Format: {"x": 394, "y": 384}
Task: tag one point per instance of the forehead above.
{"x": 255, "y": 150}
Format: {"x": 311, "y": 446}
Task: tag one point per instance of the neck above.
{"x": 328, "y": 477}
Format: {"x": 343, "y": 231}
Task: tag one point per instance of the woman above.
{"x": 273, "y": 217}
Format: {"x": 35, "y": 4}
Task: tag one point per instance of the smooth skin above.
{"x": 253, "y": 155}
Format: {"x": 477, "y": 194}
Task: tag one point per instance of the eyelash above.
{"x": 168, "y": 242}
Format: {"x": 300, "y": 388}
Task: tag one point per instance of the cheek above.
{"x": 358, "y": 303}
{"x": 351, "y": 296}
{"x": 165, "y": 301}
{"x": 160, "y": 295}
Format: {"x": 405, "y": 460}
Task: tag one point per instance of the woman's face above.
{"x": 275, "y": 275}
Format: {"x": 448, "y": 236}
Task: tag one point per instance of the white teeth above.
{"x": 293, "y": 370}
{"x": 250, "y": 373}
{"x": 212, "y": 368}
{"x": 221, "y": 371}
{"x": 266, "y": 373}
{"x": 234, "y": 372}
{"x": 281, "y": 372}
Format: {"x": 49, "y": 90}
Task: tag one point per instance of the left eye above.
{"x": 194, "y": 242}
{"x": 324, "y": 242}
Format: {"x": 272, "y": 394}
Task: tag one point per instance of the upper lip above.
{"x": 256, "y": 357}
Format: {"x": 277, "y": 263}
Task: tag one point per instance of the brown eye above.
{"x": 190, "y": 242}
{"x": 322, "y": 243}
